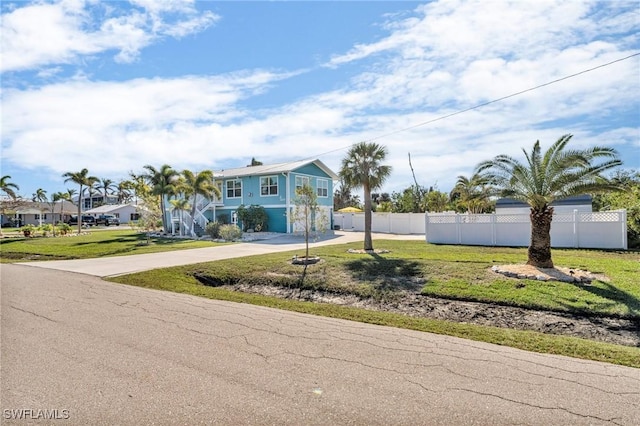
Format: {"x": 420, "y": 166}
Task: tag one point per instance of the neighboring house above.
{"x": 96, "y": 200}
{"x": 124, "y": 212}
{"x": 37, "y": 213}
{"x": 581, "y": 203}
{"x": 270, "y": 186}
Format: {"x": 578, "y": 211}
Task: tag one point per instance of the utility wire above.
{"x": 443, "y": 117}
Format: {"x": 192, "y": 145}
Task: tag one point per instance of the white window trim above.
{"x": 273, "y": 178}
{"x": 305, "y": 179}
{"x": 325, "y": 185}
{"x": 226, "y": 188}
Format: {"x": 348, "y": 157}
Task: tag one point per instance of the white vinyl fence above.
{"x": 386, "y": 223}
{"x": 606, "y": 230}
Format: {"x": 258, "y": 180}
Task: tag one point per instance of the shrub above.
{"x": 230, "y": 232}
{"x": 28, "y": 230}
{"x": 253, "y": 217}
{"x": 213, "y": 229}
{"x": 45, "y": 229}
{"x": 64, "y": 228}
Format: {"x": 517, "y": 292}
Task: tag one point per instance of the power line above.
{"x": 424, "y": 123}
{"x": 443, "y": 117}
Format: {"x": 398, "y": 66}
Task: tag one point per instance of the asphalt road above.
{"x": 103, "y": 353}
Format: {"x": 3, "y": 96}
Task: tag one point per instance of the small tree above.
{"x": 308, "y": 215}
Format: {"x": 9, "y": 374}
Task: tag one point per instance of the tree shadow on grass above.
{"x": 616, "y": 296}
{"x": 387, "y": 274}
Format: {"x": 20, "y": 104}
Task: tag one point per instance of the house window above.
{"x": 268, "y": 186}
{"x": 134, "y": 216}
{"x": 301, "y": 181}
{"x": 323, "y": 188}
{"x": 234, "y": 188}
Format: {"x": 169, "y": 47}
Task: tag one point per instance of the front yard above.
{"x": 410, "y": 285}
{"x": 90, "y": 245}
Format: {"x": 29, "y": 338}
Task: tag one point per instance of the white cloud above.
{"x": 41, "y": 34}
{"x": 451, "y": 56}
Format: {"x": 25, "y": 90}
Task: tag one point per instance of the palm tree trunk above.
{"x": 368, "y": 243}
{"x": 540, "y": 248}
{"x": 80, "y": 211}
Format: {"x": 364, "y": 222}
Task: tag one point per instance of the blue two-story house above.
{"x": 270, "y": 186}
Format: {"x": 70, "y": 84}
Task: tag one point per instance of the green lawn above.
{"x": 445, "y": 271}
{"x": 94, "y": 244}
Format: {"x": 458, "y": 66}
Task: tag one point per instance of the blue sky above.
{"x": 112, "y": 86}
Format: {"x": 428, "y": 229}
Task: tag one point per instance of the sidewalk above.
{"x": 121, "y": 265}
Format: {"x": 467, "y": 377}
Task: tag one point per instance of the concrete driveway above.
{"x": 97, "y": 353}
{"x": 119, "y": 265}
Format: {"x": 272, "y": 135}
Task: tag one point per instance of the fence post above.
{"x": 623, "y": 223}
{"x": 458, "y": 234}
{"x": 576, "y": 243}
{"x": 494, "y": 238}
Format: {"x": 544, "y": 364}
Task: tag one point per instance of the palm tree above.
{"x": 123, "y": 189}
{"x": 472, "y": 193}
{"x": 82, "y": 179}
{"x": 557, "y": 174}
{"x": 106, "y": 185}
{"x": 199, "y": 184}
{"x": 55, "y": 197}
{"x": 362, "y": 167}
{"x": 40, "y": 196}
{"x": 161, "y": 181}
{"x": 182, "y": 205}
{"x": 9, "y": 188}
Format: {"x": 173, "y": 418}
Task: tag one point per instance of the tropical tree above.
{"x": 40, "y": 196}
{"x": 182, "y": 205}
{"x": 9, "y": 188}
{"x": 57, "y": 197}
{"x": 199, "y": 184}
{"x": 473, "y": 193}
{"x": 362, "y": 168}
{"x": 436, "y": 201}
{"x": 343, "y": 197}
{"x": 82, "y": 179}
{"x": 554, "y": 175}
{"x": 107, "y": 186}
{"x": 161, "y": 181}
{"x": 123, "y": 191}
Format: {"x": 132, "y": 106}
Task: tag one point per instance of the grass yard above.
{"x": 442, "y": 271}
{"x": 94, "y": 244}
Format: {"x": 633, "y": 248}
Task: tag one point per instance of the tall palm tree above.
{"x": 557, "y": 174}
{"x": 40, "y": 196}
{"x": 123, "y": 190}
{"x": 55, "y": 197}
{"x": 82, "y": 179}
{"x": 182, "y": 205}
{"x": 161, "y": 181}
{"x": 363, "y": 168}
{"x": 107, "y": 186}
{"x": 9, "y": 188}
{"x": 472, "y": 193}
{"x": 199, "y": 184}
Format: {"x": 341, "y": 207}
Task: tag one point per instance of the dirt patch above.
{"x": 568, "y": 275}
{"x": 606, "y": 329}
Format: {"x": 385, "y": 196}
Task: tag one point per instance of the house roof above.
{"x": 274, "y": 169}
{"x": 35, "y": 207}
{"x": 577, "y": 200}
{"x": 108, "y": 208}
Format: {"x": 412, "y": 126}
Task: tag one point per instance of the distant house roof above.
{"x": 273, "y": 169}
{"x": 36, "y": 207}
{"x": 577, "y": 200}
{"x": 108, "y": 208}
